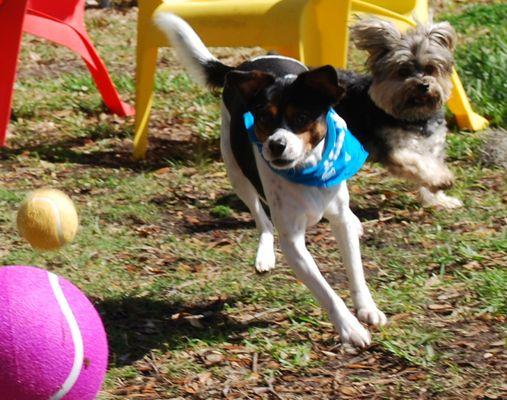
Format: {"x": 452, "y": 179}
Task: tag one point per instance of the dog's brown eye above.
{"x": 430, "y": 70}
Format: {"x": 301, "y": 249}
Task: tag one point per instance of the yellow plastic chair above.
{"x": 314, "y": 31}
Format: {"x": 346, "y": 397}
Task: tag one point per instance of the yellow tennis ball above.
{"x": 47, "y": 219}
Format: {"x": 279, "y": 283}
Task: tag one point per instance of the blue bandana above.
{"x": 342, "y": 157}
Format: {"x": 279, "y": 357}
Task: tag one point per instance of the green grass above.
{"x": 489, "y": 286}
{"x": 166, "y": 251}
{"x": 481, "y": 57}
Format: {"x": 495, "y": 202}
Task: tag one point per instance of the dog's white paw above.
{"x": 371, "y": 316}
{"x": 351, "y": 331}
{"x": 438, "y": 199}
{"x": 265, "y": 260}
{"x": 354, "y": 333}
{"x": 449, "y": 202}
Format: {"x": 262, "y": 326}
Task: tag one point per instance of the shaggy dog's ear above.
{"x": 443, "y": 34}
{"x": 374, "y": 35}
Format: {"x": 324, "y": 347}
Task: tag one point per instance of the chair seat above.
{"x": 404, "y": 7}
{"x": 266, "y": 23}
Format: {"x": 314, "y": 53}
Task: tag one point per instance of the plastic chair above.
{"x": 61, "y": 22}
{"x": 314, "y": 31}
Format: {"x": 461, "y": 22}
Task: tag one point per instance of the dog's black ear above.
{"x": 249, "y": 84}
{"x": 324, "y": 81}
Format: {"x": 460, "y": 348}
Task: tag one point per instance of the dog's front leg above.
{"x": 429, "y": 172}
{"x": 292, "y": 240}
{"x": 344, "y": 225}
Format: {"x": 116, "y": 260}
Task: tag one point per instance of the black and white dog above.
{"x": 289, "y": 108}
{"x": 397, "y": 110}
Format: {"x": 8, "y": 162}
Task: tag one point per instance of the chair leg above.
{"x": 104, "y": 83}
{"x": 106, "y": 86}
{"x": 324, "y": 33}
{"x": 459, "y": 105}
{"x": 78, "y": 41}
{"x": 11, "y": 22}
{"x": 8, "y": 74}
{"x": 145, "y": 77}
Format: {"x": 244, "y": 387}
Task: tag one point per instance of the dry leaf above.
{"x": 213, "y": 358}
{"x": 348, "y": 390}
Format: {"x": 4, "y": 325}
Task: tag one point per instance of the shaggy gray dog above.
{"x": 397, "y": 110}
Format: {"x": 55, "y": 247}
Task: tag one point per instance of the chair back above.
{"x": 63, "y": 10}
{"x": 398, "y": 6}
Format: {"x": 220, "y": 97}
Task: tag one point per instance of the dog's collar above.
{"x": 342, "y": 156}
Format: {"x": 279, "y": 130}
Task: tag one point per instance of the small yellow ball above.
{"x": 47, "y": 219}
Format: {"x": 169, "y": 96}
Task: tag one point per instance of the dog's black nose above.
{"x": 423, "y": 87}
{"x": 277, "y": 147}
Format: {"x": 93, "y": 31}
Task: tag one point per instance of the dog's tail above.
{"x": 191, "y": 51}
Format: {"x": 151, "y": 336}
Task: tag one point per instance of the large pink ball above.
{"x": 52, "y": 342}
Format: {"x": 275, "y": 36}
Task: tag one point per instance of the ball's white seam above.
{"x": 58, "y": 219}
{"x": 77, "y": 338}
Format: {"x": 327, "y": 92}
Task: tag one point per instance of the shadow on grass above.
{"x": 223, "y": 224}
{"x": 366, "y": 214}
{"x": 136, "y": 326}
{"x": 162, "y": 151}
{"x": 232, "y": 201}
{"x": 203, "y": 222}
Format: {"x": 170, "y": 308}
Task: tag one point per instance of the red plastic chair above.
{"x": 61, "y": 22}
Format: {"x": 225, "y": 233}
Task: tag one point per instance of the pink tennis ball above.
{"x": 52, "y": 342}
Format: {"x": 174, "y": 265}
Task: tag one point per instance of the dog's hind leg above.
{"x": 423, "y": 169}
{"x": 345, "y": 229}
{"x": 265, "y": 258}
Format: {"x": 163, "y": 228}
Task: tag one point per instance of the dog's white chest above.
{"x": 293, "y": 200}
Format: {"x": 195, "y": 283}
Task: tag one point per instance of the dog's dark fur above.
{"x": 397, "y": 111}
